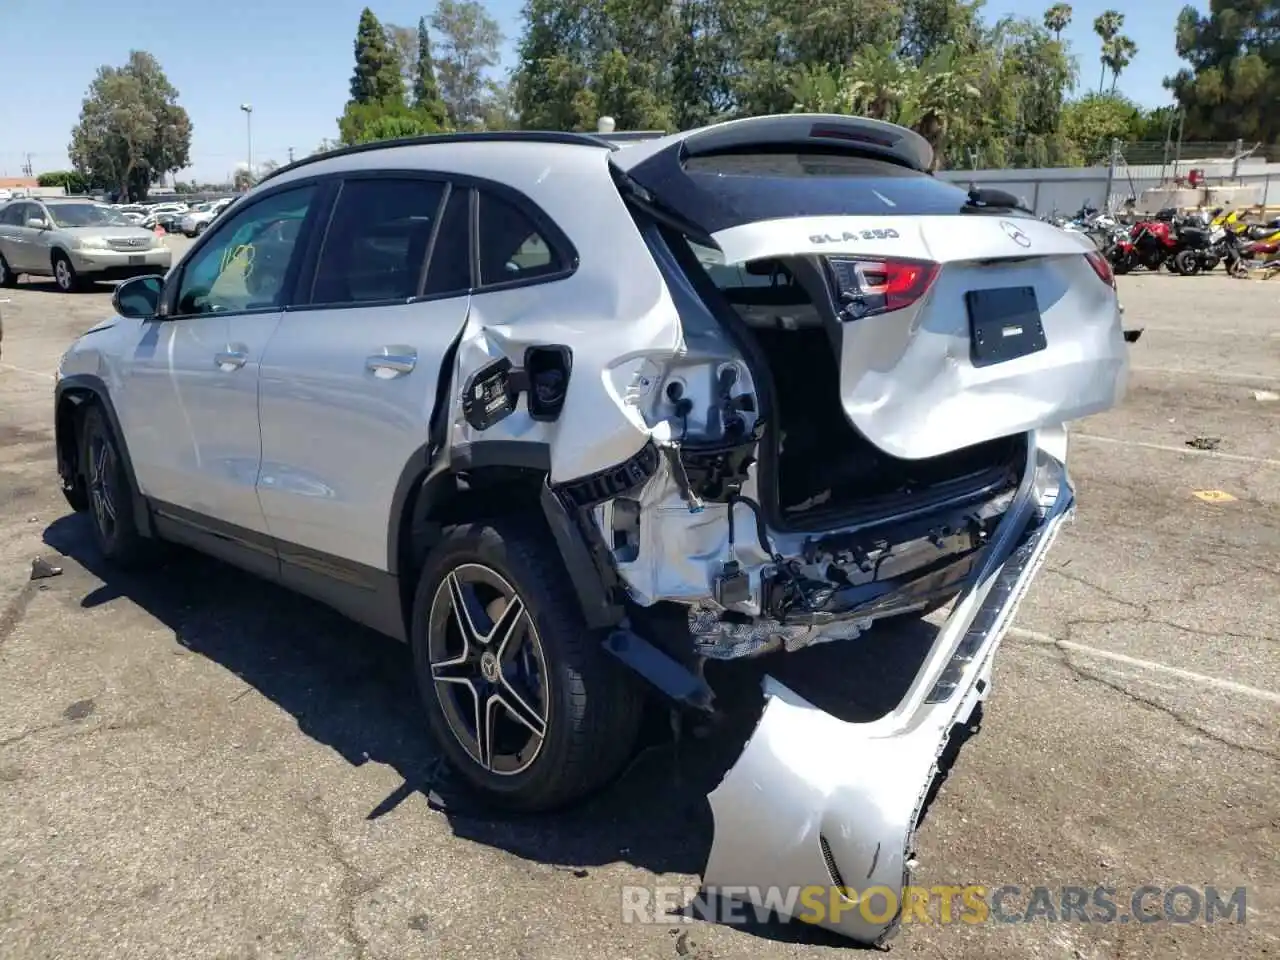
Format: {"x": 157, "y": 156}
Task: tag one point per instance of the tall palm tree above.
{"x": 1117, "y": 54}
{"x": 1057, "y": 18}
{"x": 1107, "y": 26}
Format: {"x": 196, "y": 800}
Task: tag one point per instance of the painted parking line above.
{"x": 29, "y": 373}
{"x": 1207, "y": 374}
{"x": 1044, "y": 639}
{"x": 1169, "y": 448}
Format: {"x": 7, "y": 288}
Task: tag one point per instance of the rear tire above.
{"x": 546, "y": 671}
{"x": 7, "y": 277}
{"x": 1187, "y": 263}
{"x": 1210, "y": 263}
{"x": 111, "y": 495}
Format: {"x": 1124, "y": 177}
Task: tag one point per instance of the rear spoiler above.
{"x": 828, "y": 130}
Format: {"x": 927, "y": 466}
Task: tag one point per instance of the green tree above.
{"x": 1232, "y": 84}
{"x": 377, "y": 75}
{"x": 132, "y": 130}
{"x": 366, "y": 122}
{"x": 403, "y": 44}
{"x": 426, "y": 91}
{"x": 581, "y": 59}
{"x": 1117, "y": 54}
{"x": 1096, "y": 119}
{"x": 1107, "y": 26}
{"x": 1057, "y": 18}
{"x": 69, "y": 180}
{"x": 468, "y": 41}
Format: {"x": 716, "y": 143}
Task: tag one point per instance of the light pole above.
{"x": 248, "y": 126}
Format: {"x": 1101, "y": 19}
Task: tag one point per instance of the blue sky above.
{"x": 292, "y": 60}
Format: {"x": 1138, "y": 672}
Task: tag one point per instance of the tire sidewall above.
{"x": 118, "y": 542}
{"x": 7, "y": 277}
{"x": 62, "y": 258}
{"x": 482, "y": 545}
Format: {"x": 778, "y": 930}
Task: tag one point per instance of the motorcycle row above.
{"x": 1183, "y": 243}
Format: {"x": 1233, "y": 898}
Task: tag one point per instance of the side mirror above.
{"x": 36, "y": 223}
{"x": 139, "y": 298}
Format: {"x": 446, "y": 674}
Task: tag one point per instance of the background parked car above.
{"x": 201, "y": 215}
{"x": 75, "y": 241}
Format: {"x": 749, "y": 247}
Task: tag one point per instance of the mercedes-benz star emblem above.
{"x": 1016, "y": 235}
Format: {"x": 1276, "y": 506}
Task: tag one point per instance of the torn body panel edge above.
{"x": 815, "y": 801}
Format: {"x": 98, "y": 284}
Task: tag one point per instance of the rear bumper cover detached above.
{"x": 818, "y": 802}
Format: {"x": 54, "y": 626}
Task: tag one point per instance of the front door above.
{"x": 349, "y": 381}
{"x": 189, "y": 405}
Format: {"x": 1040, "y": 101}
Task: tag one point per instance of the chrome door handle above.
{"x": 391, "y": 363}
{"x": 230, "y": 359}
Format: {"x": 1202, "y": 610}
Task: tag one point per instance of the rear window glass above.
{"x": 739, "y": 188}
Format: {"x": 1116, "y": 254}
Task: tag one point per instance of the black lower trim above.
{"x": 362, "y": 593}
{"x": 501, "y": 453}
{"x": 593, "y": 579}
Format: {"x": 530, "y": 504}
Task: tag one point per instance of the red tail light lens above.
{"x": 1102, "y": 267}
{"x": 868, "y": 286}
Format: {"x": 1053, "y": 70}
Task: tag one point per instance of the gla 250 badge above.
{"x": 845, "y": 237}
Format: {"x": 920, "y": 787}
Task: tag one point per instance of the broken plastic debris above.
{"x": 1204, "y": 443}
{"x": 42, "y": 569}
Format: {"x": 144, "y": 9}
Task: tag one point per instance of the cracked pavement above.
{"x": 194, "y": 763}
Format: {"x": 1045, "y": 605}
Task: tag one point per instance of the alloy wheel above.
{"x": 102, "y": 466}
{"x": 488, "y": 668}
{"x": 62, "y": 274}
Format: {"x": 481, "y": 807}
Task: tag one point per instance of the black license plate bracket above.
{"x": 1004, "y": 324}
{"x": 137, "y": 260}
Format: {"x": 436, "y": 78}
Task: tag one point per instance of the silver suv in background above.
{"x": 566, "y": 416}
{"x": 75, "y": 241}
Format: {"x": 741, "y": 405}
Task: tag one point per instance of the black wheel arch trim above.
{"x": 590, "y": 573}
{"x": 72, "y": 387}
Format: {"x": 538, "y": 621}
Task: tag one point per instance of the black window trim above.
{"x": 321, "y": 205}
{"x": 550, "y": 231}
{"x": 319, "y": 217}
{"x": 306, "y": 288}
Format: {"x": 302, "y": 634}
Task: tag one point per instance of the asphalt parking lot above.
{"x": 196, "y": 764}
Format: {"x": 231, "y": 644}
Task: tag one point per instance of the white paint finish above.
{"x": 190, "y": 424}
{"x": 335, "y": 434}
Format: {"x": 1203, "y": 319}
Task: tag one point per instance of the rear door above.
{"x": 955, "y": 322}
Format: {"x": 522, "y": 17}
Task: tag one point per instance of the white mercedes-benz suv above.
{"x": 572, "y": 418}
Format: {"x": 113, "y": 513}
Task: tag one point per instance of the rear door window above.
{"x": 375, "y": 249}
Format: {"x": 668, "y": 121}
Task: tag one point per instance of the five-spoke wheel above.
{"x": 488, "y": 668}
{"x": 521, "y": 695}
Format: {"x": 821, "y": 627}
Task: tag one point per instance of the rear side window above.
{"x": 511, "y": 246}
{"x": 726, "y": 190}
{"x": 376, "y": 246}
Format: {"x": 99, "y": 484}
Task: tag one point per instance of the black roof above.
{"x": 493, "y": 136}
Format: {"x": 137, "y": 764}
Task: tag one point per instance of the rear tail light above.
{"x": 1102, "y": 267}
{"x": 868, "y": 286}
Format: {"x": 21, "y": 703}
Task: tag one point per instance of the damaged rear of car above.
{"x": 864, "y": 417}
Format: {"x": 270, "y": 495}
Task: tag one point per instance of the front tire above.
{"x": 7, "y": 277}
{"x": 521, "y": 696}
{"x": 106, "y": 481}
{"x": 64, "y": 274}
{"x": 1187, "y": 263}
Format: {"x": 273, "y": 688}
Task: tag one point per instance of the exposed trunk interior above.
{"x": 825, "y": 468}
